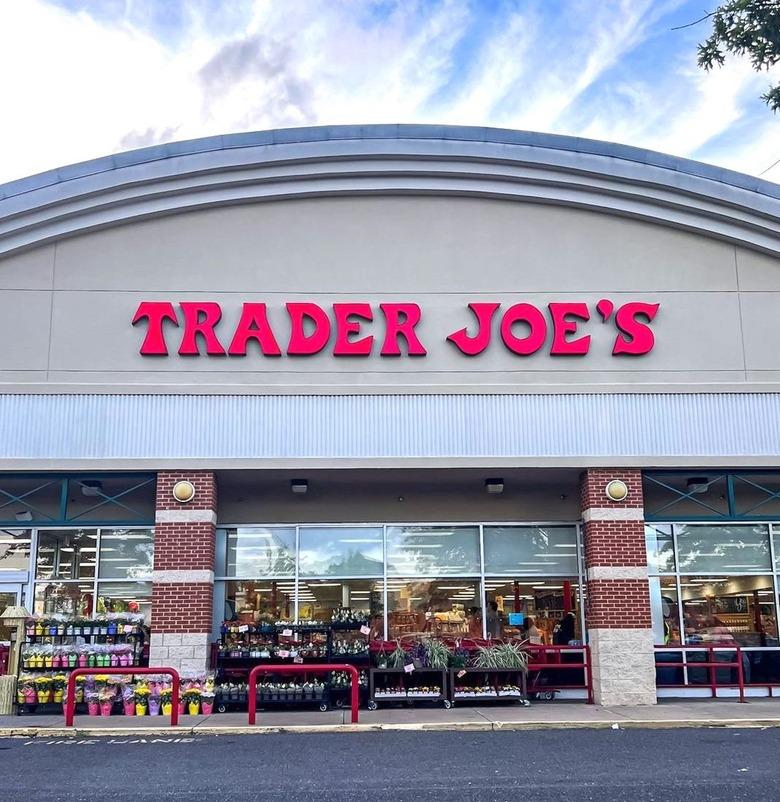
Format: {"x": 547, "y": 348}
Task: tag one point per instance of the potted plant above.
{"x": 206, "y": 702}
{"x": 93, "y": 703}
{"x": 166, "y": 696}
{"x": 128, "y": 700}
{"x": 59, "y": 681}
{"x": 141, "y": 699}
{"x": 192, "y": 697}
{"x": 106, "y": 699}
{"x": 43, "y": 689}
{"x": 154, "y": 701}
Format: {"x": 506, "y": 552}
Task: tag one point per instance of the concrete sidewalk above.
{"x": 550, "y": 715}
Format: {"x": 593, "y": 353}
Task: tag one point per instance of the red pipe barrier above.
{"x": 297, "y": 669}
{"x": 70, "y": 704}
{"x": 535, "y": 649}
{"x": 712, "y": 665}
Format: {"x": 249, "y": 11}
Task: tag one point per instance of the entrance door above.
{"x": 10, "y": 596}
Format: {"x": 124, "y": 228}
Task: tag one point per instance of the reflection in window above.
{"x": 126, "y": 553}
{"x": 257, "y": 601}
{"x": 340, "y": 551}
{"x": 14, "y": 550}
{"x": 722, "y": 610}
{"x": 445, "y": 607}
{"x": 660, "y": 548}
{"x": 544, "y": 611}
{"x": 665, "y": 610}
{"x": 126, "y": 597}
{"x": 66, "y": 554}
{"x": 261, "y": 551}
{"x": 531, "y": 550}
{"x": 320, "y": 600}
{"x": 70, "y": 598}
{"x": 722, "y": 549}
{"x": 432, "y": 550}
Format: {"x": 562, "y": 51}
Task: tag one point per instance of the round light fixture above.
{"x": 184, "y": 492}
{"x": 616, "y": 490}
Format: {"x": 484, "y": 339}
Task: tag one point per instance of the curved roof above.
{"x": 390, "y": 159}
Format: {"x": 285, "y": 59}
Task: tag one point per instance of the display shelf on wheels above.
{"x": 499, "y": 684}
{"x": 322, "y": 668}
{"x": 70, "y": 703}
{"x": 404, "y": 692}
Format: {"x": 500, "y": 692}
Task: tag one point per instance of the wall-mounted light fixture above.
{"x": 698, "y": 484}
{"x": 24, "y": 515}
{"x": 299, "y": 486}
{"x": 183, "y": 491}
{"x": 616, "y": 490}
{"x": 494, "y": 486}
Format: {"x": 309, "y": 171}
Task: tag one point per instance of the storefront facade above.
{"x": 409, "y": 370}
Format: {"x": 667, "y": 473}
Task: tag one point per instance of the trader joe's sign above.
{"x": 196, "y": 328}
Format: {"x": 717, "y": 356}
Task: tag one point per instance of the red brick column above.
{"x": 618, "y": 595}
{"x": 183, "y": 576}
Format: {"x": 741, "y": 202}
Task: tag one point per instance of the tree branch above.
{"x": 696, "y": 22}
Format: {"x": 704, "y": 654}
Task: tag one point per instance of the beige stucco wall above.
{"x": 65, "y": 308}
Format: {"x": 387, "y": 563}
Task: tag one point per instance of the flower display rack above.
{"x": 410, "y": 687}
{"x": 492, "y": 685}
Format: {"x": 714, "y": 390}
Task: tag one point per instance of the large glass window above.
{"x": 660, "y": 548}
{"x": 83, "y": 572}
{"x": 534, "y": 550}
{"x": 340, "y": 551}
{"x": 126, "y": 554}
{"x": 722, "y": 549}
{"x": 14, "y": 550}
{"x": 544, "y": 611}
{"x": 66, "y": 554}
{"x": 260, "y": 551}
{"x": 325, "y": 600}
{"x": 432, "y": 550}
{"x": 259, "y": 600}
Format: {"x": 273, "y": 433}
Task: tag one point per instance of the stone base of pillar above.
{"x": 187, "y": 652}
{"x": 623, "y": 666}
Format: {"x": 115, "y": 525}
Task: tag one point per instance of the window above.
{"x": 533, "y": 550}
{"x": 82, "y": 572}
{"x": 446, "y": 607}
{"x": 660, "y": 549}
{"x": 722, "y": 548}
{"x": 260, "y": 552}
{"x": 340, "y": 551}
{"x": 14, "y": 550}
{"x": 432, "y": 550}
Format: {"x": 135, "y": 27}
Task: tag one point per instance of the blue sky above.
{"x": 83, "y": 78}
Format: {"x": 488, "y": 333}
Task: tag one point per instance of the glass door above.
{"x": 10, "y": 596}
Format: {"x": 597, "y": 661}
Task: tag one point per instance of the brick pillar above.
{"x": 618, "y": 593}
{"x": 183, "y": 576}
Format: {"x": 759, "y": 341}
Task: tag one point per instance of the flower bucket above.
{"x": 58, "y": 695}
{"x": 30, "y": 697}
{"x": 167, "y": 708}
{"x": 114, "y": 660}
{"x": 124, "y": 660}
{"x": 154, "y": 707}
{"x": 43, "y": 697}
{"x": 72, "y": 660}
{"x": 82, "y": 661}
{"x": 140, "y": 710}
{"x": 206, "y": 708}
{"x": 182, "y": 706}
{"x": 93, "y": 709}
{"x": 20, "y": 699}
{"x": 193, "y": 708}
{"x": 105, "y": 708}
{"x": 129, "y": 708}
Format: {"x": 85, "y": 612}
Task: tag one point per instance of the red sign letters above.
{"x": 350, "y": 329}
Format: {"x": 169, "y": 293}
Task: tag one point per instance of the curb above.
{"x": 460, "y": 726}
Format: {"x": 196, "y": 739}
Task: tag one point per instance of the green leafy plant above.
{"x": 438, "y": 655}
{"x": 501, "y": 655}
{"x": 397, "y": 658}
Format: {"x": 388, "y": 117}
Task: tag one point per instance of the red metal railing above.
{"x": 710, "y": 664}
{"x": 314, "y": 668}
{"x": 70, "y": 704}
{"x": 4, "y": 654}
{"x": 549, "y": 658}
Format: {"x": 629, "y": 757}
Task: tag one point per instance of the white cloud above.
{"x": 77, "y": 88}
